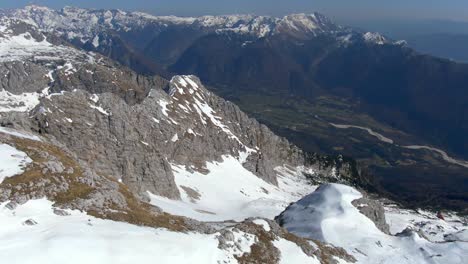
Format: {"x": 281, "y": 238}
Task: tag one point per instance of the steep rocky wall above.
{"x": 132, "y": 127}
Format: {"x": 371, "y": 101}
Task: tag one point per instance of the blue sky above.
{"x": 338, "y": 9}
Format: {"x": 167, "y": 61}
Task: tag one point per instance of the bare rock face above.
{"x": 61, "y": 212}
{"x": 132, "y": 128}
{"x": 30, "y": 222}
{"x": 184, "y": 125}
{"x": 11, "y": 205}
{"x": 20, "y": 77}
{"x": 374, "y": 211}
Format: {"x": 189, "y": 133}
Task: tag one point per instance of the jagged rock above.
{"x": 30, "y": 222}
{"x": 224, "y": 237}
{"x": 374, "y": 211}
{"x": 409, "y": 231}
{"x": 132, "y": 127}
{"x": 19, "y": 77}
{"x": 11, "y": 205}
{"x": 61, "y": 212}
{"x": 21, "y": 199}
{"x": 53, "y": 167}
{"x": 461, "y": 236}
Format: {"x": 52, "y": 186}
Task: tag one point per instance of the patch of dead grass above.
{"x": 37, "y": 150}
{"x": 140, "y": 213}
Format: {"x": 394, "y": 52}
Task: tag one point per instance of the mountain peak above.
{"x": 34, "y": 7}
{"x": 374, "y": 37}
{"x": 84, "y": 21}
{"x": 308, "y": 23}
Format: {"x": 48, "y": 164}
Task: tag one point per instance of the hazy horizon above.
{"x": 340, "y": 10}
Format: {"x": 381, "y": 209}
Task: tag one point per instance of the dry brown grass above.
{"x": 263, "y": 251}
{"x": 140, "y": 213}
{"x": 327, "y": 252}
{"x": 34, "y": 172}
{"x": 136, "y": 212}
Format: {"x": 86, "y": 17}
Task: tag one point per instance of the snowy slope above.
{"x": 457, "y": 236}
{"x": 230, "y": 192}
{"x": 24, "y": 43}
{"x": 79, "y": 238}
{"x": 292, "y": 254}
{"x": 427, "y": 222}
{"x": 49, "y": 238}
{"x": 20, "y": 41}
{"x": 328, "y": 215}
{"x": 12, "y": 161}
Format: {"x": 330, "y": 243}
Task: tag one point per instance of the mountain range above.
{"x": 125, "y": 136}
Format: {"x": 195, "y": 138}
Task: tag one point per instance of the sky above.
{"x": 338, "y": 9}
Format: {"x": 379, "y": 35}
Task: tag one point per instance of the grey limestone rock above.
{"x": 61, "y": 212}
{"x": 374, "y": 210}
{"x": 30, "y": 222}
{"x": 132, "y": 128}
{"x": 11, "y": 205}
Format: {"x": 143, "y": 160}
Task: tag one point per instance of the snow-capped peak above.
{"x": 314, "y": 22}
{"x": 374, "y": 37}
{"x": 83, "y": 23}
{"x": 329, "y": 215}
{"x": 22, "y": 41}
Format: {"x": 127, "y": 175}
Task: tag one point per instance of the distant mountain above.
{"x": 440, "y": 38}
{"x": 402, "y": 28}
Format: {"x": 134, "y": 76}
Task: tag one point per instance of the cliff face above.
{"x": 131, "y": 127}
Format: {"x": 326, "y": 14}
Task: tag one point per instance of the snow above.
{"x": 190, "y": 131}
{"x": 163, "y": 105}
{"x": 68, "y": 68}
{"x": 458, "y": 236}
{"x": 263, "y": 224}
{"x": 300, "y": 21}
{"x": 328, "y": 215}
{"x": 247, "y": 195}
{"x": 96, "y": 41}
{"x": 19, "y": 134}
{"x": 192, "y": 83}
{"x": 94, "y": 98}
{"x": 175, "y": 138}
{"x": 292, "y": 253}
{"x": 12, "y": 161}
{"x": 83, "y": 24}
{"x": 199, "y": 104}
{"x": 240, "y": 244}
{"x": 100, "y": 110}
{"x": 376, "y": 38}
{"x": 427, "y": 222}
{"x": 18, "y": 103}
{"x": 80, "y": 238}
{"x": 24, "y": 46}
